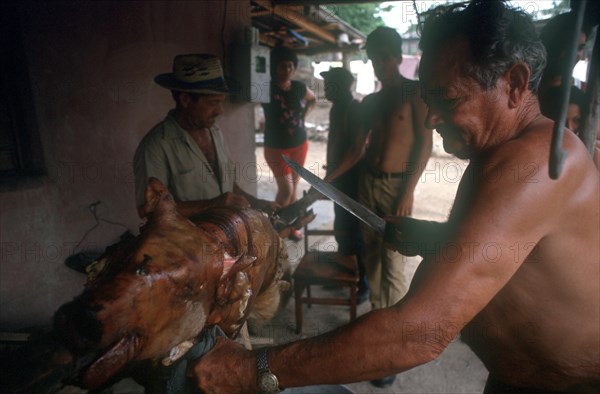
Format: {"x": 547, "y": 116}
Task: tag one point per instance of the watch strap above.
{"x": 262, "y": 361}
{"x": 267, "y": 381}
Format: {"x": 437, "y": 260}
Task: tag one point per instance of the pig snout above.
{"x": 76, "y": 326}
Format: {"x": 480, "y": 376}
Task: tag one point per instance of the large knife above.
{"x": 360, "y": 211}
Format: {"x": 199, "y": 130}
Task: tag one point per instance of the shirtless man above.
{"x": 396, "y": 154}
{"x": 515, "y": 268}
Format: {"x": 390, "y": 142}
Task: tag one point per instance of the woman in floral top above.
{"x": 285, "y": 133}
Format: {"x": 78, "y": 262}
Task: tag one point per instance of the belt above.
{"x": 384, "y": 175}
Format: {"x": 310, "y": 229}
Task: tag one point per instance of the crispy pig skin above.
{"x": 164, "y": 286}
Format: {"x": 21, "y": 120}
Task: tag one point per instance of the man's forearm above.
{"x": 419, "y": 162}
{"x": 346, "y": 164}
{"x": 375, "y": 343}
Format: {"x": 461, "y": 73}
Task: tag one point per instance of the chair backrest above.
{"x": 314, "y": 232}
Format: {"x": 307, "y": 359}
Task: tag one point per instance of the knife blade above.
{"x": 355, "y": 208}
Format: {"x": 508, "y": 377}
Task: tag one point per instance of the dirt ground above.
{"x": 458, "y": 370}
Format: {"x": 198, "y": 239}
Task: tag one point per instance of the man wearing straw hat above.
{"x": 186, "y": 151}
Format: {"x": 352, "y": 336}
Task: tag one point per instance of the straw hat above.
{"x": 195, "y": 73}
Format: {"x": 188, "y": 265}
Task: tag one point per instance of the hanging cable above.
{"x": 97, "y": 219}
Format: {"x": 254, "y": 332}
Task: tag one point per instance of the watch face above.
{"x": 268, "y": 383}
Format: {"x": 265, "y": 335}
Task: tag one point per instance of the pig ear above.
{"x": 231, "y": 285}
{"x": 158, "y": 199}
{"x": 229, "y": 277}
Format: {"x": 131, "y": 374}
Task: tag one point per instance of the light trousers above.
{"x": 385, "y": 268}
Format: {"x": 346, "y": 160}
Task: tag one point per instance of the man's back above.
{"x": 344, "y": 124}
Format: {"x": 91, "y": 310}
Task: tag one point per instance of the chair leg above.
{"x": 352, "y": 302}
{"x": 298, "y": 290}
{"x": 308, "y": 295}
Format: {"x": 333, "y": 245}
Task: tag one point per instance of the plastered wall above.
{"x": 91, "y": 66}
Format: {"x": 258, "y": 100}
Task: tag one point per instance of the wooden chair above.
{"x": 323, "y": 268}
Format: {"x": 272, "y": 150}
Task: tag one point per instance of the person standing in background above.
{"x": 285, "y": 133}
{"x": 344, "y": 127}
{"x": 551, "y": 106}
{"x": 555, "y": 37}
{"x": 397, "y": 152}
{"x": 394, "y": 146}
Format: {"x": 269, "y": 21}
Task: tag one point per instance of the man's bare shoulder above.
{"x": 521, "y": 165}
{"x": 408, "y": 91}
{"x": 533, "y": 146}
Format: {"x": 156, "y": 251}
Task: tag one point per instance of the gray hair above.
{"x": 498, "y": 37}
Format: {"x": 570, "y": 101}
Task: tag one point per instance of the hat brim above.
{"x": 212, "y": 86}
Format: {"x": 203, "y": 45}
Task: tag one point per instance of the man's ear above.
{"x": 184, "y": 99}
{"x": 518, "y": 78}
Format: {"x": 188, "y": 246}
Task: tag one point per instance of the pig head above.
{"x": 154, "y": 292}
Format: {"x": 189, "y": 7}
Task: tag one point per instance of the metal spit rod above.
{"x": 557, "y": 153}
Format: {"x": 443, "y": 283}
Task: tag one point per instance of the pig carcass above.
{"x": 159, "y": 290}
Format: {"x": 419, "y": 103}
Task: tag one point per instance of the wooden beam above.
{"x": 295, "y": 18}
{"x": 260, "y": 13}
{"x": 267, "y": 40}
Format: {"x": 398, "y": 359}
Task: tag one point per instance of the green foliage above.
{"x": 363, "y": 17}
{"x": 558, "y": 7}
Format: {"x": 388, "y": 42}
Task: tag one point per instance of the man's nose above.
{"x": 433, "y": 118}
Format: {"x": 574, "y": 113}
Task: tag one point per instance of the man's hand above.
{"x": 266, "y": 206}
{"x": 413, "y": 237}
{"x": 300, "y": 222}
{"x": 230, "y": 199}
{"x": 321, "y": 196}
{"x": 404, "y": 205}
{"x": 227, "y": 369}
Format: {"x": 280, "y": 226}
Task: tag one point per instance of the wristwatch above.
{"x": 267, "y": 381}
